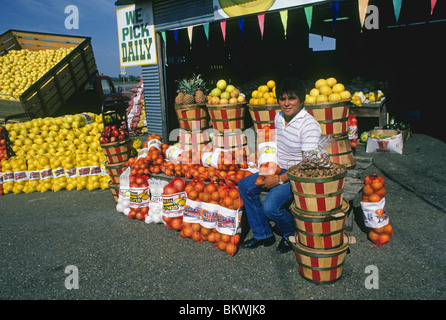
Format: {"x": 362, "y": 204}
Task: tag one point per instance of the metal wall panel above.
{"x": 173, "y": 14}
{"x": 152, "y": 100}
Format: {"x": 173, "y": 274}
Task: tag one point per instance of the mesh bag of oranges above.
{"x": 373, "y": 204}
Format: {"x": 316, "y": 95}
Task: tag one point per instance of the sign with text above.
{"x": 136, "y": 35}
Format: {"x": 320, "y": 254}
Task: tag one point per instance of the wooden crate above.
{"x": 49, "y": 93}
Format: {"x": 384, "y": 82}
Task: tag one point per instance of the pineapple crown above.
{"x": 189, "y": 86}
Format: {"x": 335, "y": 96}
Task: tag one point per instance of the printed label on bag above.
{"x": 33, "y": 175}
{"x": 267, "y": 152}
{"x": 375, "y": 213}
{"x": 20, "y": 176}
{"x": 209, "y": 215}
{"x": 71, "y": 173}
{"x": 8, "y": 176}
{"x": 46, "y": 174}
{"x": 59, "y": 172}
{"x": 192, "y": 211}
{"x": 229, "y": 221}
{"x": 95, "y": 171}
{"x": 173, "y": 204}
{"x": 83, "y": 171}
{"x": 139, "y": 197}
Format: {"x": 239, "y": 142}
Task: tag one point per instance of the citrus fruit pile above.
{"x": 225, "y": 93}
{"x": 19, "y": 69}
{"x": 265, "y": 94}
{"x": 374, "y": 191}
{"x": 55, "y": 154}
{"x": 327, "y": 90}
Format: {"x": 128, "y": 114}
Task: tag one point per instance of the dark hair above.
{"x": 291, "y": 86}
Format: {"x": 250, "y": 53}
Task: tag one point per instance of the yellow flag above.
{"x": 284, "y": 17}
{"x": 362, "y": 6}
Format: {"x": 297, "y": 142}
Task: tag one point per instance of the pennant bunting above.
{"x": 433, "y": 2}
{"x": 261, "y": 18}
{"x": 241, "y": 24}
{"x": 334, "y": 7}
{"x": 362, "y": 7}
{"x": 397, "y": 8}
{"x": 189, "y": 33}
{"x": 175, "y": 33}
{"x": 206, "y": 30}
{"x": 223, "y": 29}
{"x": 284, "y": 18}
{"x": 309, "y": 15}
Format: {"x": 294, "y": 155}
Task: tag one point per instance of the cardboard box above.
{"x": 381, "y": 140}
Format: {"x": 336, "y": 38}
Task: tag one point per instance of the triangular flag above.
{"x": 175, "y": 32}
{"x": 241, "y": 23}
{"x": 362, "y": 6}
{"x": 433, "y": 2}
{"x": 397, "y": 8}
{"x": 206, "y": 30}
{"x": 309, "y": 15}
{"x": 261, "y": 18}
{"x": 163, "y": 35}
{"x": 189, "y": 33}
{"x": 284, "y": 17}
{"x": 334, "y": 7}
{"x": 223, "y": 29}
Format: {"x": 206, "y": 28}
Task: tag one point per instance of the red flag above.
{"x": 261, "y": 18}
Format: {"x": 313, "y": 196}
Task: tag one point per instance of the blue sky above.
{"x": 97, "y": 19}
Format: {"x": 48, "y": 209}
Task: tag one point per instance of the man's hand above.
{"x": 269, "y": 182}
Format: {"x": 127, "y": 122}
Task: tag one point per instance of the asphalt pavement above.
{"x": 47, "y": 239}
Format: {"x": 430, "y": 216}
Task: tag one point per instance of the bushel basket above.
{"x": 263, "y": 115}
{"x": 227, "y": 116}
{"x": 332, "y": 116}
{"x": 192, "y": 116}
{"x": 318, "y": 195}
{"x": 320, "y": 232}
{"x": 117, "y": 151}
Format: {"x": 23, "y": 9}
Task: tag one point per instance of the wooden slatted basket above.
{"x": 114, "y": 189}
{"x": 263, "y": 115}
{"x": 332, "y": 116}
{"x": 320, "y": 266}
{"x": 117, "y": 151}
{"x": 227, "y": 116}
{"x": 192, "y": 116}
{"x": 115, "y": 170}
{"x": 320, "y": 232}
{"x": 318, "y": 195}
{"x": 341, "y": 152}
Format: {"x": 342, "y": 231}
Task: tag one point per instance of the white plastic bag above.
{"x": 123, "y": 204}
{"x": 375, "y": 213}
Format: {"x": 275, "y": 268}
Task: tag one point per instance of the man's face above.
{"x": 290, "y": 105}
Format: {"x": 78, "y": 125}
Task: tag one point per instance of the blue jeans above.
{"x": 275, "y": 207}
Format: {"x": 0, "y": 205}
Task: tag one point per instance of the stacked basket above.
{"x": 320, "y": 212}
{"x": 333, "y": 119}
{"x": 117, "y": 154}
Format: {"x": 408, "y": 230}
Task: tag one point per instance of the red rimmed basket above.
{"x": 321, "y": 232}
{"x": 227, "y": 116}
{"x": 115, "y": 170}
{"x": 192, "y": 116}
{"x": 263, "y": 114}
{"x": 117, "y": 151}
{"x": 320, "y": 266}
{"x": 318, "y": 195}
{"x": 332, "y": 116}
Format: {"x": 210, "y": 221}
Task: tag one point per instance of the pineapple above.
{"x": 191, "y": 91}
{"x": 200, "y": 88}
